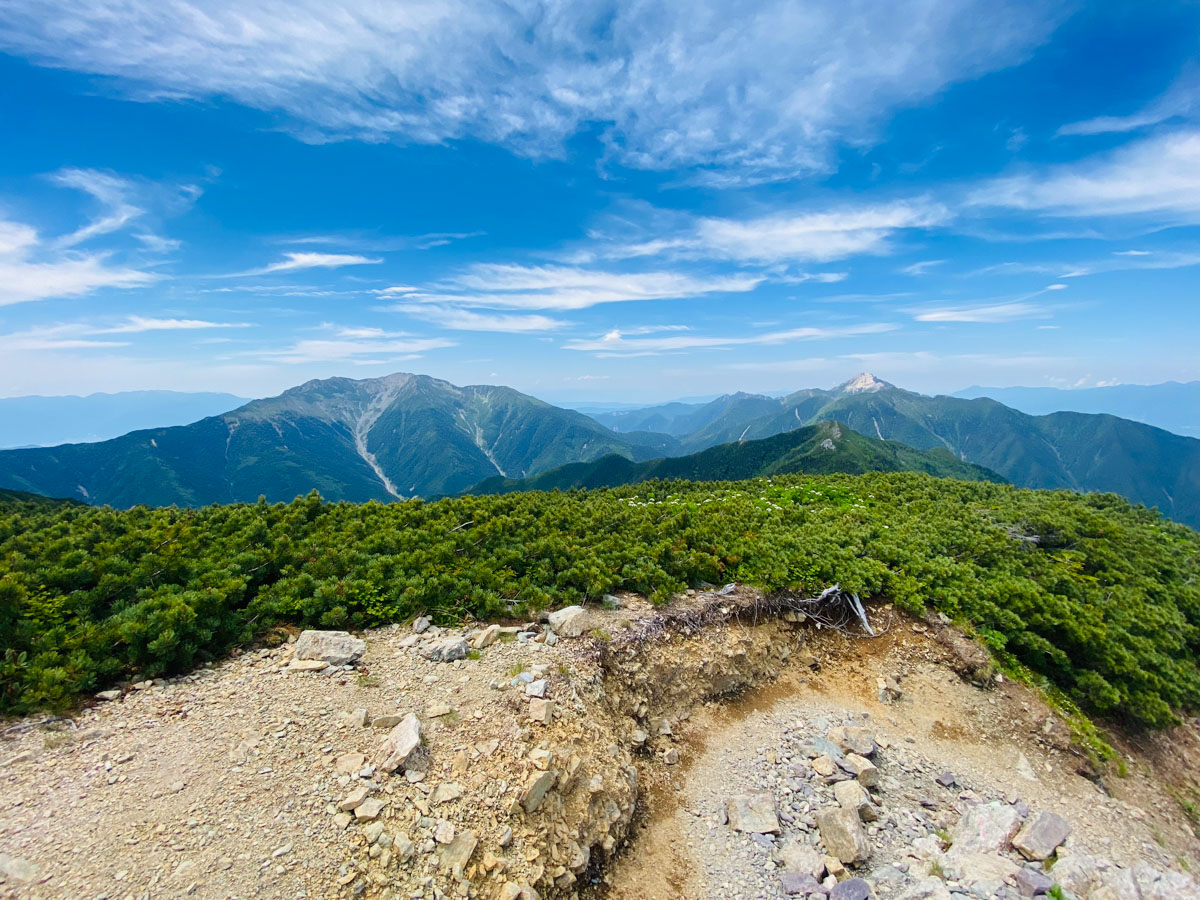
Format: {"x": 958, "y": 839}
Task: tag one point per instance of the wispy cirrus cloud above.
{"x": 510, "y": 286}
{"x": 90, "y": 335}
{"x": 1182, "y": 100}
{"x": 32, "y": 268}
{"x": 353, "y": 344}
{"x": 1158, "y": 175}
{"x": 297, "y": 260}
{"x": 671, "y": 86}
{"x": 778, "y": 239}
{"x": 990, "y": 313}
{"x": 458, "y": 319}
{"x": 618, "y": 343}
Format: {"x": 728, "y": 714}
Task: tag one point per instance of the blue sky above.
{"x": 597, "y": 201}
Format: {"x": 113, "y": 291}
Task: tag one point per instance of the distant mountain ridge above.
{"x": 411, "y": 435}
{"x": 1172, "y": 405}
{"x": 37, "y": 421}
{"x": 1079, "y": 451}
{"x": 820, "y": 449}
{"x": 375, "y": 439}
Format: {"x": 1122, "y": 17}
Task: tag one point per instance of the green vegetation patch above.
{"x": 1099, "y": 597}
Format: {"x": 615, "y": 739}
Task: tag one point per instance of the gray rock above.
{"x": 535, "y": 791}
{"x": 800, "y": 883}
{"x": 389, "y": 721}
{"x": 458, "y": 852}
{"x": 853, "y": 889}
{"x": 337, "y": 648}
{"x": 536, "y": 688}
{"x": 926, "y": 889}
{"x": 541, "y": 711}
{"x": 852, "y": 795}
{"x": 802, "y": 859}
{"x": 448, "y": 650}
{"x": 369, "y": 809}
{"x": 571, "y": 621}
{"x": 753, "y": 813}
{"x": 946, "y": 780}
{"x": 1031, "y": 882}
{"x": 843, "y": 834}
{"x": 861, "y": 768}
{"x": 1042, "y": 836}
{"x": 853, "y": 739}
{"x": 17, "y": 869}
{"x": 401, "y": 744}
{"x": 421, "y": 624}
{"x": 109, "y": 695}
{"x": 985, "y": 828}
{"x": 486, "y": 638}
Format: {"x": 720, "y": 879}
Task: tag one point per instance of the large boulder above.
{"x": 1042, "y": 836}
{"x": 447, "y": 650}
{"x": 570, "y": 621}
{"x": 401, "y": 744}
{"x": 801, "y": 859}
{"x": 985, "y": 828}
{"x": 338, "y": 648}
{"x": 853, "y": 739}
{"x": 753, "y": 814}
{"x": 843, "y": 834}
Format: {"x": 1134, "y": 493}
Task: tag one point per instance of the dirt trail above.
{"x": 682, "y": 849}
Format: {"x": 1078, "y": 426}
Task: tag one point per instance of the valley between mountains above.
{"x": 405, "y": 436}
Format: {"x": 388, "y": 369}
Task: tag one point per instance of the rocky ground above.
{"x": 515, "y": 761}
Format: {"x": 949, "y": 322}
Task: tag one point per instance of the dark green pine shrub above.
{"x": 1100, "y": 598}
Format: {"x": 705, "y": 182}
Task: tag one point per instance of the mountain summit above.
{"x": 864, "y": 382}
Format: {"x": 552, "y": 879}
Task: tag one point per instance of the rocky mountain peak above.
{"x": 864, "y": 382}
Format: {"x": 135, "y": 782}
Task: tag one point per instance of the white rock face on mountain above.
{"x": 863, "y": 383}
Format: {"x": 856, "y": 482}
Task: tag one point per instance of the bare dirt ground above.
{"x": 683, "y": 849}
{"x": 224, "y": 783}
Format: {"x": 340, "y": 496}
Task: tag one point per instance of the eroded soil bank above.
{"x": 241, "y": 779}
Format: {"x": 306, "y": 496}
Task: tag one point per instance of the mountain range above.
{"x": 812, "y": 449}
{"x": 1172, "y": 405}
{"x": 412, "y": 435}
{"x": 47, "y": 421}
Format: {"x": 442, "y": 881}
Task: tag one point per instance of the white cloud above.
{"x": 467, "y": 320}
{"x": 990, "y": 313}
{"x": 921, "y": 268}
{"x": 1182, "y": 100}
{"x": 1160, "y": 175}
{"x": 507, "y": 286}
{"x": 779, "y": 239}
{"x": 616, "y": 343}
{"x": 360, "y": 350}
{"x": 305, "y": 260}
{"x": 27, "y": 275}
{"x": 54, "y": 337}
{"x": 140, "y": 324}
{"x": 744, "y": 93}
{"x": 110, "y": 191}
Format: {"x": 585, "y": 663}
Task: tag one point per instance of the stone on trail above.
{"x": 401, "y": 744}
{"x": 753, "y": 814}
{"x": 458, "y": 852}
{"x": 17, "y": 869}
{"x": 980, "y": 871}
{"x": 946, "y": 780}
{"x": 985, "y": 828}
{"x": 853, "y": 739}
{"x": 109, "y": 695}
{"x": 337, "y": 648}
{"x": 535, "y": 791}
{"x": 1042, "y": 836}
{"x": 349, "y": 763}
{"x": 799, "y": 884}
{"x": 929, "y": 888}
{"x": 823, "y": 765}
{"x": 1031, "y": 882}
{"x": 852, "y": 889}
{"x": 843, "y": 834}
{"x": 390, "y": 720}
{"x": 421, "y": 624}
{"x": 541, "y": 711}
{"x": 369, "y": 809}
{"x": 571, "y": 621}
{"x": 449, "y": 650}
{"x": 486, "y": 638}
{"x": 862, "y": 769}
{"x": 353, "y": 800}
{"x": 852, "y": 795}
{"x": 306, "y": 665}
{"x": 536, "y": 688}
{"x": 802, "y": 859}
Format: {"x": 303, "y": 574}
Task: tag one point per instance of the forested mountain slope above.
{"x": 815, "y": 449}
{"x": 375, "y": 439}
